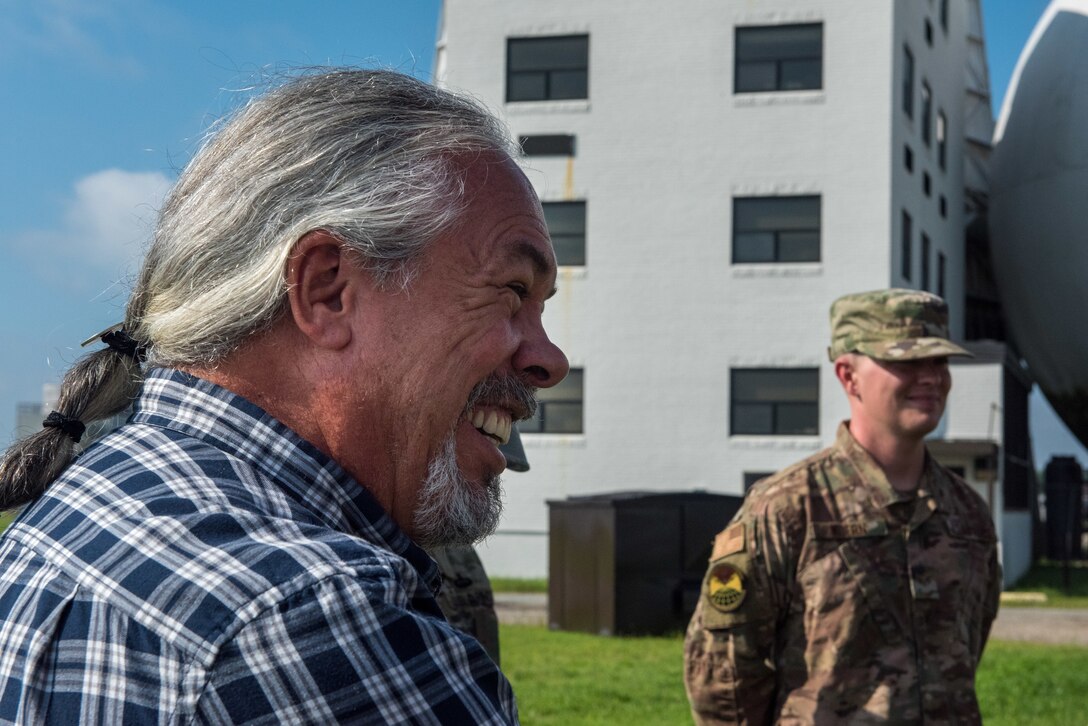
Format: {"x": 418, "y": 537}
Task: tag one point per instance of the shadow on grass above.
{"x": 1048, "y": 577}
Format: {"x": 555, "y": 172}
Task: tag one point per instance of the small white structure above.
{"x": 984, "y": 438}
{"x": 715, "y": 174}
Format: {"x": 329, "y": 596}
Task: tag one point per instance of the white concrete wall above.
{"x": 659, "y": 315}
{"x": 942, "y": 65}
{"x": 1015, "y": 546}
{"x": 975, "y": 409}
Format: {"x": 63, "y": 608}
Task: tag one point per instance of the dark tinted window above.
{"x": 940, "y": 273}
{"x": 547, "y": 145}
{"x": 908, "y": 82}
{"x": 567, "y": 227}
{"x": 927, "y": 113}
{"x": 776, "y": 229}
{"x": 905, "y": 242}
{"x": 925, "y": 261}
{"x": 548, "y": 68}
{"x": 751, "y": 477}
{"x": 778, "y": 58}
{"x": 774, "y": 401}
{"x": 559, "y": 409}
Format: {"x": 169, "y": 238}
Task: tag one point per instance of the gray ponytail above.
{"x": 98, "y": 386}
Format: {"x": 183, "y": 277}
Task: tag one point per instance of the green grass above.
{"x": 1046, "y": 576}
{"x": 519, "y": 584}
{"x": 1026, "y": 683}
{"x": 574, "y": 678}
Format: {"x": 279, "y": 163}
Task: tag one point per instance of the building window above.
{"x": 906, "y": 243}
{"x": 944, "y": 15}
{"x": 944, "y": 207}
{"x": 774, "y": 401}
{"x": 547, "y": 68}
{"x": 925, "y": 261}
{"x": 559, "y": 408}
{"x": 929, "y": 33}
{"x": 778, "y": 58}
{"x": 908, "y": 82}
{"x": 927, "y": 184}
{"x": 940, "y": 273}
{"x": 908, "y": 158}
{"x": 942, "y": 140}
{"x": 776, "y": 229}
{"x": 927, "y": 113}
{"x": 567, "y": 227}
{"x": 547, "y": 145}
{"x": 751, "y": 477}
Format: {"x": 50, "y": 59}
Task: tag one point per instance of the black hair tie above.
{"x": 71, "y": 426}
{"x": 120, "y": 341}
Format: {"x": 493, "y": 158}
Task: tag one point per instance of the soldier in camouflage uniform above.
{"x": 466, "y": 597}
{"x": 859, "y": 585}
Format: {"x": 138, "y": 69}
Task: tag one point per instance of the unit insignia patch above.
{"x": 725, "y": 588}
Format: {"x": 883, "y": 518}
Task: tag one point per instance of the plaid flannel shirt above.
{"x": 205, "y": 564}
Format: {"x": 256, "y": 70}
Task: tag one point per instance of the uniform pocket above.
{"x": 878, "y": 590}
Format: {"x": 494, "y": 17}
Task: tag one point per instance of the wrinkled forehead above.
{"x": 501, "y": 221}
{"x": 495, "y": 175}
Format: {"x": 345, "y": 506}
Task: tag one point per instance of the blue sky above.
{"x": 104, "y": 102}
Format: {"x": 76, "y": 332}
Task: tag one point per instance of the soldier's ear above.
{"x": 846, "y": 372}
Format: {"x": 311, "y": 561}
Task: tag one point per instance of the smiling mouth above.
{"x": 925, "y": 400}
{"x": 493, "y": 423}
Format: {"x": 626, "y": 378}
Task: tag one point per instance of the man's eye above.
{"x": 521, "y": 290}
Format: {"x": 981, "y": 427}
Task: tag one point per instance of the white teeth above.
{"x": 494, "y": 423}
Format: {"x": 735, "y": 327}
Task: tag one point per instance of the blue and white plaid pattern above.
{"x": 205, "y": 564}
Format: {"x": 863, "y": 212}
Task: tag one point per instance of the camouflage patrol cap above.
{"x": 891, "y": 325}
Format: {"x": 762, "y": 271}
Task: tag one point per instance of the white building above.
{"x": 30, "y": 414}
{"x": 715, "y": 174}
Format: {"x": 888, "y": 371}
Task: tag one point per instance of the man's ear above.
{"x": 321, "y": 289}
{"x": 845, "y": 372}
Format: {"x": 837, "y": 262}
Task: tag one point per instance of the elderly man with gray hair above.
{"x": 336, "y": 325}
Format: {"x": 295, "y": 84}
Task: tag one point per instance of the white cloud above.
{"x": 114, "y": 211}
{"x": 104, "y": 230}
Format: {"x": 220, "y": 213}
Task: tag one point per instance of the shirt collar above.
{"x": 882, "y": 493}
{"x": 179, "y": 401}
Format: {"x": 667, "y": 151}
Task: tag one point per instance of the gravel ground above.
{"x": 1042, "y": 625}
{"x": 1031, "y": 624}
{"x": 521, "y": 608}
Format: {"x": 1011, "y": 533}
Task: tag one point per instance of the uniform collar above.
{"x": 881, "y": 492}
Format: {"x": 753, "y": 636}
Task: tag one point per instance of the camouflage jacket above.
{"x": 832, "y": 599}
{"x": 466, "y": 598}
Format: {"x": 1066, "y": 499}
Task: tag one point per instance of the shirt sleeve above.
{"x": 335, "y": 652}
{"x": 993, "y": 596}
{"x": 729, "y": 648}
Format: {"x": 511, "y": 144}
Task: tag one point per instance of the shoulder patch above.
{"x": 725, "y": 587}
{"x": 728, "y": 542}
